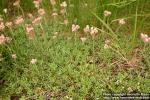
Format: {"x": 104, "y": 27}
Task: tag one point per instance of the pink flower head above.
{"x": 30, "y": 16}
{"x": 8, "y": 39}
{"x": 145, "y": 38}
{"x": 37, "y": 20}
{"x": 37, "y": 3}
{"x": 29, "y": 28}
{"x": 87, "y": 29}
{"x": 2, "y": 39}
{"x": 75, "y": 28}
{"x": 2, "y": 26}
{"x": 93, "y": 31}
{"x": 30, "y": 31}
{"x": 53, "y": 2}
{"x": 19, "y": 20}
{"x": 41, "y": 12}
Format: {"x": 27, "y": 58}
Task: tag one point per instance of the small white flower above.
{"x": 55, "y": 33}
{"x": 86, "y": 29}
{"x": 54, "y": 14}
{"x": 41, "y": 12}
{"x": 83, "y": 39}
{"x": 86, "y": 4}
{"x": 63, "y": 4}
{"x": 75, "y": 28}
{"x": 54, "y": 37}
{"x": 107, "y": 41}
{"x": 107, "y": 13}
{"x": 33, "y": 61}
{"x": 122, "y": 21}
{"x": 93, "y": 31}
{"x": 106, "y": 46}
{"x": 14, "y": 56}
{"x": 145, "y": 38}
{"x": 130, "y": 89}
{"x": 5, "y": 10}
{"x": 36, "y": 3}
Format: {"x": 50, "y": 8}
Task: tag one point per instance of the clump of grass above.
{"x": 61, "y": 55}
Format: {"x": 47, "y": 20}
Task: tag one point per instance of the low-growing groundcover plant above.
{"x": 62, "y": 52}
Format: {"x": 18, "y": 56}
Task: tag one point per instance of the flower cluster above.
{"x": 37, "y": 20}
{"x": 75, "y": 28}
{"x": 53, "y": 2}
{"x": 145, "y": 38}
{"x": 55, "y": 35}
{"x": 4, "y": 39}
{"x": 14, "y": 56}
{"x": 41, "y": 12}
{"x": 30, "y": 31}
{"x": 107, "y": 13}
{"x": 33, "y": 61}
{"x": 92, "y": 30}
{"x": 63, "y": 6}
{"x": 19, "y": 20}
{"x": 107, "y": 44}
{"x": 37, "y": 3}
{"x": 87, "y": 29}
{"x": 122, "y": 21}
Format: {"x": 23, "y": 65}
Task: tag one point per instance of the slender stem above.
{"x": 135, "y": 24}
{"x": 93, "y": 52}
{"x": 22, "y": 11}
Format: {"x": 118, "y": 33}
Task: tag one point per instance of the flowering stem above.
{"x": 22, "y": 11}
{"x": 117, "y": 30}
{"x": 45, "y": 21}
{"x": 135, "y": 24}
{"x": 75, "y": 37}
{"x": 93, "y": 52}
{"x": 12, "y": 33}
